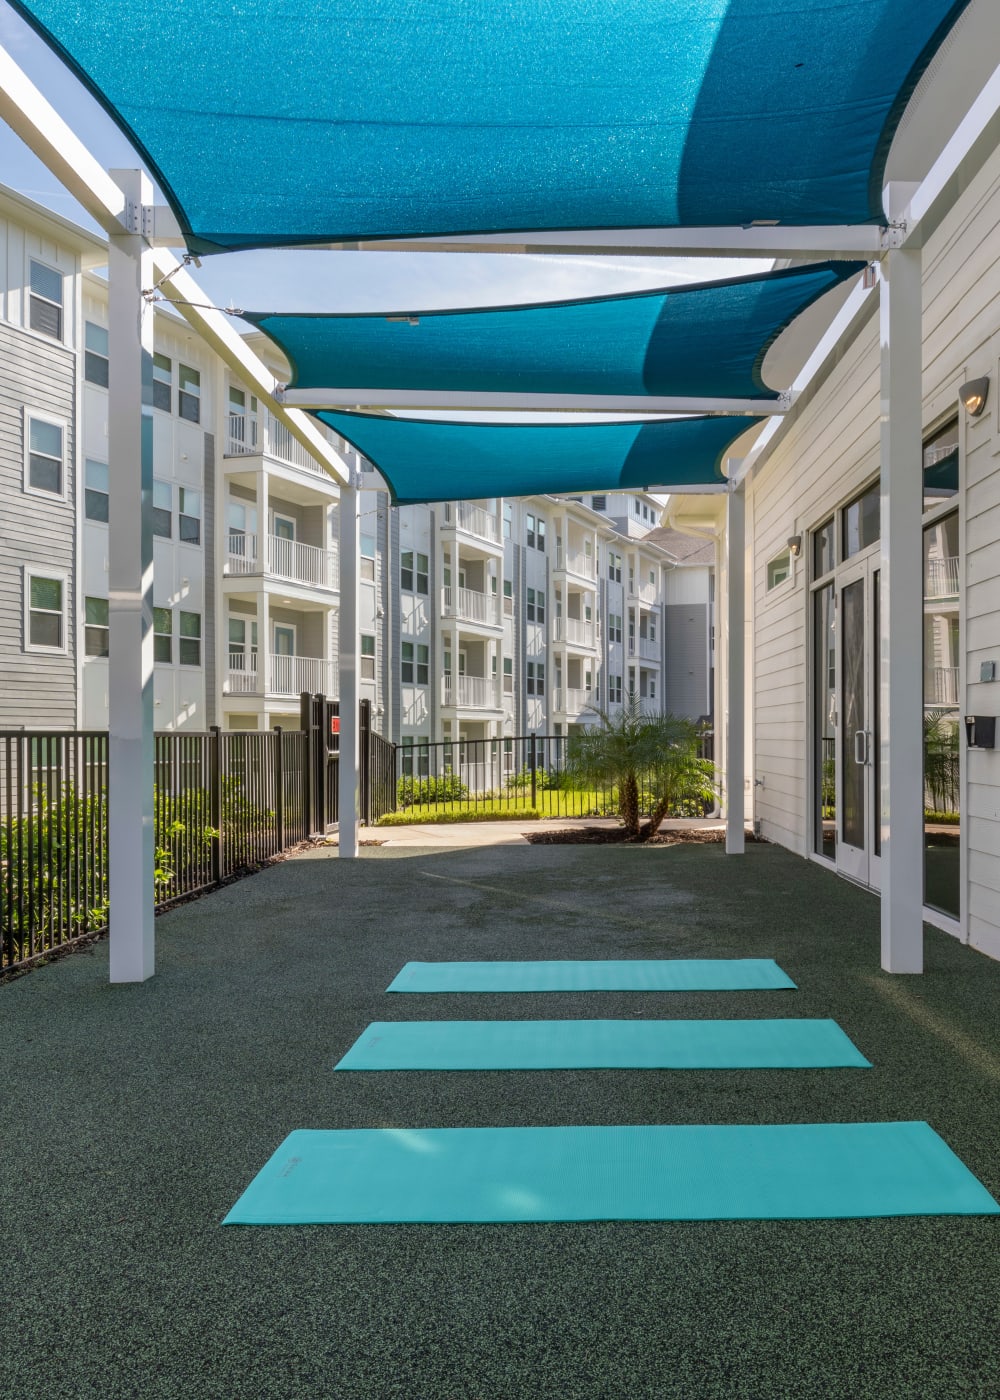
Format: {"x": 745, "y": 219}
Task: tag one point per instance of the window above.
{"x": 162, "y": 509}
{"x": 599, "y": 502}
{"x": 413, "y": 572}
{"x": 44, "y": 471}
{"x": 415, "y": 664}
{"x": 406, "y": 663}
{"x": 779, "y": 569}
{"x": 368, "y": 557}
{"x": 367, "y": 656}
{"x": 423, "y": 664}
{"x": 614, "y": 627}
{"x": 941, "y": 465}
{"x": 95, "y": 355}
{"x": 860, "y": 522}
{"x": 163, "y": 635}
{"x": 614, "y": 690}
{"x": 414, "y": 746}
{"x": 46, "y": 608}
{"x": 536, "y": 605}
{"x": 540, "y": 535}
{"x": 46, "y": 300}
{"x": 189, "y": 393}
{"x": 614, "y": 566}
{"x": 652, "y": 627}
{"x": 189, "y": 645}
{"x": 95, "y": 494}
{"x": 163, "y": 378}
{"x": 823, "y": 549}
{"x": 652, "y": 578}
{"x": 508, "y": 518}
{"x": 96, "y": 636}
{"x": 508, "y": 597}
{"x": 535, "y": 679}
{"x": 188, "y": 515}
{"x": 508, "y": 675}
{"x": 635, "y": 507}
{"x": 530, "y": 530}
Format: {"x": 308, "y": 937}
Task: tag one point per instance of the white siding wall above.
{"x": 826, "y": 454}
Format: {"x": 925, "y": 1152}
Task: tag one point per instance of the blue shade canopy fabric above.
{"x": 433, "y": 460}
{"x": 296, "y": 121}
{"x": 699, "y": 341}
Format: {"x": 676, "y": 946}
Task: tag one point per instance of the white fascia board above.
{"x": 216, "y": 330}
{"x": 568, "y": 403}
{"x": 974, "y": 140}
{"x": 856, "y": 310}
{"x": 57, "y": 146}
{"x": 753, "y": 241}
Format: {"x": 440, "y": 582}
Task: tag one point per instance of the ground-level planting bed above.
{"x": 618, "y": 836}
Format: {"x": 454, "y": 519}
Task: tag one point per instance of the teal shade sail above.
{"x": 696, "y": 341}
{"x": 433, "y": 460}
{"x": 301, "y": 121}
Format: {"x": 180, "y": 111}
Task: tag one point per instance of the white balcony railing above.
{"x": 575, "y": 561}
{"x": 250, "y": 434}
{"x": 576, "y": 630}
{"x": 286, "y": 559}
{"x": 473, "y": 520}
{"x": 941, "y": 578}
{"x": 470, "y": 604}
{"x": 471, "y": 692}
{"x": 649, "y": 649}
{"x": 941, "y": 684}
{"x": 568, "y": 700}
{"x": 282, "y": 675}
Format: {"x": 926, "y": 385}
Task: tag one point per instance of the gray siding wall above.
{"x": 685, "y": 690}
{"x": 37, "y": 689}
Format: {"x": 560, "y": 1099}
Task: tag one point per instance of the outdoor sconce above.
{"x": 973, "y": 396}
{"x": 795, "y": 545}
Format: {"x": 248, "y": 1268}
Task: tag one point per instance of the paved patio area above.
{"x": 132, "y": 1118}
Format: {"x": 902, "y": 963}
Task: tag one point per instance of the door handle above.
{"x": 860, "y": 747}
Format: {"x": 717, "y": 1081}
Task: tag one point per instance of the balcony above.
{"x": 575, "y": 561}
{"x": 569, "y": 701}
{"x": 471, "y": 520}
{"x": 574, "y": 630}
{"x": 282, "y": 675}
{"x": 941, "y": 578}
{"x": 286, "y": 559}
{"x": 645, "y": 592}
{"x": 252, "y": 435}
{"x": 941, "y": 685}
{"x": 649, "y": 649}
{"x": 469, "y": 605}
{"x": 470, "y": 692}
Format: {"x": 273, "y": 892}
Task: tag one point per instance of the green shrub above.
{"x": 546, "y": 780}
{"x": 469, "y": 814}
{"x": 414, "y": 792}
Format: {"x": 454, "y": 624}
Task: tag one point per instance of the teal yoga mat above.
{"x": 786, "y": 1172}
{"x": 633, "y": 975}
{"x": 780, "y": 1044}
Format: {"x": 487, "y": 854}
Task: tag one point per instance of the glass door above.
{"x": 857, "y": 739}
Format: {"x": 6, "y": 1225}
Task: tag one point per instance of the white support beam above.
{"x": 752, "y": 241}
{"x": 348, "y": 767}
{"x": 445, "y": 401}
{"x": 130, "y": 594}
{"x": 900, "y": 659}
{"x": 735, "y": 671}
{"x": 57, "y": 146}
{"x": 972, "y": 143}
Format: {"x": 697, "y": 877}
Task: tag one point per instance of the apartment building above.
{"x": 477, "y": 619}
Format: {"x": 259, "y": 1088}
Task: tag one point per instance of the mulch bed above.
{"x": 617, "y": 836}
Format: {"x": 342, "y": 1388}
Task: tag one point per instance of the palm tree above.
{"x": 631, "y": 750}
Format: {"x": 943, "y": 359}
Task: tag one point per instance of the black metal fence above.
{"x": 222, "y": 804}
{"x": 507, "y": 774}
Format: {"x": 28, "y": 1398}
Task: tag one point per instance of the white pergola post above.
{"x": 130, "y": 591}
{"x": 900, "y": 640}
{"x": 348, "y": 768}
{"x": 735, "y": 670}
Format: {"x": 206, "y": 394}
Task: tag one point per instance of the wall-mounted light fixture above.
{"x": 795, "y": 545}
{"x": 973, "y": 396}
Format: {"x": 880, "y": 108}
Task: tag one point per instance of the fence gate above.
{"x": 321, "y": 723}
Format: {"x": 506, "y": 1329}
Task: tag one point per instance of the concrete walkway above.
{"x": 435, "y": 835}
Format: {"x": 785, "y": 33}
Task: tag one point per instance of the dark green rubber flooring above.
{"x": 131, "y": 1118}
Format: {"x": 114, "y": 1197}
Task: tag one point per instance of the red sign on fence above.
{"x": 334, "y": 724}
